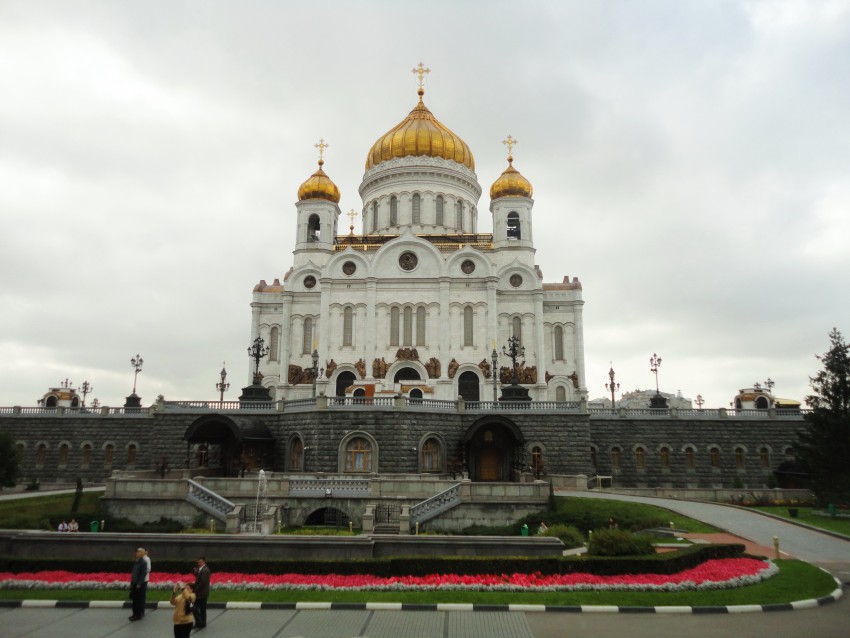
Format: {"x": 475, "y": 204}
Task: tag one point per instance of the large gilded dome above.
{"x": 319, "y": 186}
{"x": 511, "y": 184}
{"x": 420, "y": 133}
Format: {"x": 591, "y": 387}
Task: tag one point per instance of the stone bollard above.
{"x": 776, "y": 553}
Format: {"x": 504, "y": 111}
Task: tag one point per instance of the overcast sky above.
{"x": 690, "y": 164}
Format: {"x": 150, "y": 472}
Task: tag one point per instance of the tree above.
{"x": 824, "y": 446}
{"x": 10, "y": 467}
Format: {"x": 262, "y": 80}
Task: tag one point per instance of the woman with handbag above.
{"x": 183, "y": 601}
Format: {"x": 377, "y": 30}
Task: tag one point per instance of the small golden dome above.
{"x": 319, "y": 186}
{"x": 420, "y": 134}
{"x": 511, "y": 183}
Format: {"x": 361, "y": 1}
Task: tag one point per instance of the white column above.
{"x": 579, "y": 346}
{"x": 445, "y": 342}
{"x": 539, "y": 355}
{"x": 324, "y": 320}
{"x": 286, "y": 333}
{"x": 370, "y": 324}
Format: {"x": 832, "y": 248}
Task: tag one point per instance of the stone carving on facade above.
{"x": 297, "y": 375}
{"x": 360, "y": 366}
{"x": 453, "y": 366}
{"x": 407, "y": 354}
{"x": 548, "y": 376}
{"x": 484, "y": 366}
{"x": 574, "y": 378}
{"x": 330, "y": 366}
{"x": 524, "y": 374}
{"x": 379, "y": 368}
{"x": 432, "y": 367}
{"x": 420, "y": 160}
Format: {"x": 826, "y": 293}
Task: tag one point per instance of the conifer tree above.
{"x": 824, "y": 446}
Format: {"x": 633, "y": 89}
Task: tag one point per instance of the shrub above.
{"x": 615, "y": 542}
{"x": 568, "y": 534}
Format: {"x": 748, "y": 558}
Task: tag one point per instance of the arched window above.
{"x": 536, "y": 461}
{"x": 715, "y": 458}
{"x": 440, "y": 210}
{"x": 358, "y": 455}
{"x": 459, "y": 215}
{"x": 86, "y": 458}
{"x": 40, "y": 455}
{"x": 417, "y": 209}
{"x": 558, "y": 337}
{"x": 468, "y": 325}
{"x": 761, "y": 403}
{"x": 764, "y": 456}
{"x": 75, "y": 402}
{"x": 516, "y": 325}
{"x": 740, "y": 461}
{"x": 664, "y": 456}
{"x": 431, "y": 459}
{"x": 374, "y": 216}
{"x": 296, "y": 455}
{"x": 108, "y": 453}
{"x": 63, "y": 454}
{"x": 347, "y": 326}
{"x": 313, "y": 229}
{"x": 393, "y": 211}
{"x": 737, "y": 403}
{"x": 51, "y": 402}
{"x": 408, "y": 326}
{"x": 394, "y": 319}
{"x": 560, "y": 393}
{"x": 420, "y": 326}
{"x": 689, "y": 458}
{"x": 131, "y": 454}
{"x": 615, "y": 458}
{"x": 593, "y": 462}
{"x": 307, "y": 336}
{"x": 514, "y": 231}
{"x": 274, "y": 343}
{"x": 640, "y": 458}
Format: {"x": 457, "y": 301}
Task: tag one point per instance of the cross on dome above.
{"x": 421, "y": 71}
{"x": 322, "y": 145}
{"x": 509, "y": 143}
{"x": 351, "y": 215}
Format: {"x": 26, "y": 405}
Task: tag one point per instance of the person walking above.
{"x": 202, "y": 592}
{"x": 138, "y": 586}
{"x": 183, "y": 600}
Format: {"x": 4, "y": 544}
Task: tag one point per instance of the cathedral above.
{"x": 420, "y": 304}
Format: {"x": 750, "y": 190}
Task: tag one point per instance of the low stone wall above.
{"x": 721, "y": 495}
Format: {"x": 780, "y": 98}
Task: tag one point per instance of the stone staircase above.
{"x": 208, "y": 501}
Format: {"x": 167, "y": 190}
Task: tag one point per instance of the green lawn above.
{"x": 33, "y": 513}
{"x": 593, "y": 513}
{"x": 840, "y": 525}
{"x": 796, "y": 581}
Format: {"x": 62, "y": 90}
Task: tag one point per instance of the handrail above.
{"x": 210, "y": 502}
{"x": 435, "y": 505}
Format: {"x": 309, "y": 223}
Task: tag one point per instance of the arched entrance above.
{"x": 494, "y": 450}
{"x": 468, "y": 387}
{"x": 407, "y": 374}
{"x": 343, "y": 381}
{"x": 231, "y": 445}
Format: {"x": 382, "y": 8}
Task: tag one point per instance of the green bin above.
{"x": 523, "y": 530}
{"x": 94, "y": 526}
{"x": 831, "y": 509}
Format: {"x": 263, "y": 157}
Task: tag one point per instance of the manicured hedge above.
{"x": 414, "y": 566}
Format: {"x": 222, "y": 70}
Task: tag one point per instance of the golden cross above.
{"x": 510, "y": 144}
{"x": 351, "y": 215}
{"x": 322, "y": 145}
{"x": 421, "y": 71}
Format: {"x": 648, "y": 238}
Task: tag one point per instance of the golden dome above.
{"x": 319, "y": 186}
{"x": 420, "y": 133}
{"x": 511, "y": 183}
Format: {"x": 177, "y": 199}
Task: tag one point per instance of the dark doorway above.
{"x": 328, "y": 516}
{"x": 493, "y": 450}
{"x": 343, "y": 381}
{"x": 407, "y": 374}
{"x": 468, "y": 387}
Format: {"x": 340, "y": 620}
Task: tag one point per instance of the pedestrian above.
{"x": 183, "y": 600}
{"x": 612, "y": 523}
{"x": 138, "y": 586}
{"x": 73, "y": 526}
{"x": 543, "y": 527}
{"x": 202, "y": 592}
{"x": 63, "y": 526}
{"x": 146, "y": 557}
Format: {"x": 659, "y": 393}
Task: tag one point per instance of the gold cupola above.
{"x": 319, "y": 185}
{"x": 511, "y": 183}
{"x": 420, "y": 134}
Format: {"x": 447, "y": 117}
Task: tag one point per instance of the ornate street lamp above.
{"x": 223, "y": 386}
{"x": 514, "y": 351}
{"x": 770, "y": 383}
{"x": 494, "y": 357}
{"x": 86, "y": 389}
{"x": 655, "y": 363}
{"x": 95, "y": 404}
{"x": 136, "y": 362}
{"x": 699, "y": 401}
{"x": 257, "y": 352}
{"x": 315, "y": 371}
{"x": 612, "y": 386}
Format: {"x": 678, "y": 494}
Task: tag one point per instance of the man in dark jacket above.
{"x": 202, "y": 592}
{"x": 138, "y": 586}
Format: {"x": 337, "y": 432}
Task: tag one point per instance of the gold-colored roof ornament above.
{"x": 319, "y": 185}
{"x": 420, "y": 134}
{"x": 510, "y": 183}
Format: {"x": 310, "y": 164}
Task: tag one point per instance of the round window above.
{"x": 349, "y": 268}
{"x": 407, "y": 261}
{"x": 309, "y": 281}
{"x": 516, "y": 281}
{"x": 468, "y": 266}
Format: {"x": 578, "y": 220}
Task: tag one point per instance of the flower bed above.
{"x": 713, "y": 574}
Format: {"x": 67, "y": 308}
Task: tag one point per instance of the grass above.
{"x": 796, "y": 581}
{"x": 37, "y": 512}
{"x": 805, "y": 515}
{"x": 587, "y": 511}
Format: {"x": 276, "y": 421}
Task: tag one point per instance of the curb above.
{"x": 467, "y": 607}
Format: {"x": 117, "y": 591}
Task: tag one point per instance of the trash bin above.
{"x": 93, "y": 526}
{"x": 523, "y": 530}
{"x": 831, "y": 509}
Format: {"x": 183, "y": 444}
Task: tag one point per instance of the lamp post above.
{"x": 86, "y": 389}
{"x": 95, "y": 404}
{"x": 514, "y": 351}
{"x": 136, "y": 362}
{"x": 612, "y": 386}
{"x": 699, "y": 401}
{"x": 655, "y": 363}
{"x": 494, "y": 357}
{"x": 315, "y": 371}
{"x": 223, "y": 386}
{"x": 256, "y": 351}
